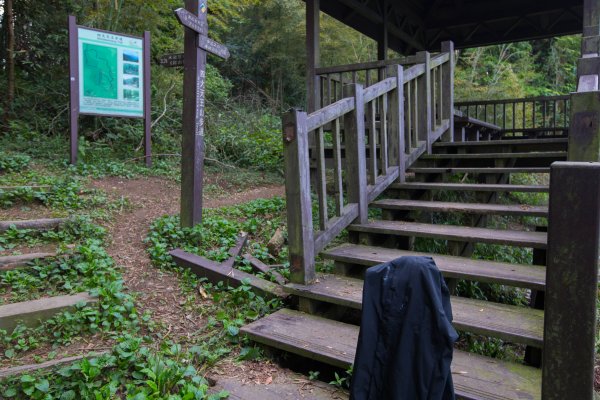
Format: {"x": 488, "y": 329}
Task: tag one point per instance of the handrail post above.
{"x": 571, "y": 281}
{"x": 424, "y": 100}
{"x": 297, "y": 191}
{"x": 448, "y": 91}
{"x": 397, "y": 121}
{"x": 356, "y": 163}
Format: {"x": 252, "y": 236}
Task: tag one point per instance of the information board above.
{"x": 111, "y": 74}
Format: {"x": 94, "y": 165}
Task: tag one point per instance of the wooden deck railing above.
{"x": 528, "y": 117}
{"x": 375, "y": 133}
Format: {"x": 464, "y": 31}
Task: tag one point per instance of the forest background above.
{"x": 246, "y": 95}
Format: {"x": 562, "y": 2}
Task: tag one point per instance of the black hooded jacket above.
{"x": 406, "y": 335}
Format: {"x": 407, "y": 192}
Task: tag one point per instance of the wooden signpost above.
{"x": 196, "y": 46}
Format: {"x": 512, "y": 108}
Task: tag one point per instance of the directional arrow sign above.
{"x": 216, "y": 48}
{"x": 172, "y": 60}
{"x": 191, "y": 21}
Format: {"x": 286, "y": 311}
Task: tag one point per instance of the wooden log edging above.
{"x": 22, "y": 369}
{"x": 215, "y": 273}
{"x": 37, "y": 224}
{"x": 8, "y": 263}
{"x": 32, "y": 312}
{"x": 32, "y": 187}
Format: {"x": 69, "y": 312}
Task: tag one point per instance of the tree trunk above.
{"x": 10, "y": 60}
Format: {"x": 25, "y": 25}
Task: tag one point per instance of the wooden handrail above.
{"x": 409, "y": 60}
{"x": 517, "y": 100}
{"x": 380, "y": 130}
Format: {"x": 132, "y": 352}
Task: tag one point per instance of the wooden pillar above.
{"x": 382, "y": 43}
{"x": 297, "y": 191}
{"x": 448, "y": 91}
{"x": 571, "y": 282}
{"x": 584, "y": 133}
{"x": 356, "y": 163}
{"x": 313, "y": 53}
{"x": 591, "y": 18}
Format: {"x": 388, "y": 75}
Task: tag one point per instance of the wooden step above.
{"x": 480, "y": 171}
{"x": 334, "y": 343}
{"x": 557, "y": 155}
{"x": 502, "y": 142}
{"x": 456, "y": 233}
{"x": 470, "y": 187}
{"x": 511, "y": 323}
{"x": 466, "y": 208}
{"x": 525, "y": 276}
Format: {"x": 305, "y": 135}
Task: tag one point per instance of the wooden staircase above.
{"x": 321, "y": 330}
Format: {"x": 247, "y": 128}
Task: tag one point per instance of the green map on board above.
{"x": 100, "y": 71}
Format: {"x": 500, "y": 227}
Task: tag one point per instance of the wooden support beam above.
{"x": 591, "y": 18}
{"x": 382, "y": 43}
{"x": 297, "y": 191}
{"x": 313, "y": 53}
{"x": 448, "y": 91}
{"x": 236, "y": 250}
{"x": 259, "y": 266}
{"x": 215, "y": 273}
{"x": 571, "y": 282}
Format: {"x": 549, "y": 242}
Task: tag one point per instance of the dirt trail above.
{"x": 152, "y": 198}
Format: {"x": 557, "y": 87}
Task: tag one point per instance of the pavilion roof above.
{"x": 423, "y": 24}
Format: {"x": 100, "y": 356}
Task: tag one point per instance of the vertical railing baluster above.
{"x": 372, "y": 123}
{"x": 321, "y": 179}
{"x": 356, "y": 165}
{"x": 297, "y": 191}
{"x": 329, "y": 93}
{"x": 448, "y": 90}
{"x": 408, "y": 116}
{"x": 383, "y": 134}
{"x": 337, "y": 168}
{"x": 415, "y": 116}
{"x": 424, "y": 101}
{"x": 398, "y": 134}
{"x": 554, "y": 125}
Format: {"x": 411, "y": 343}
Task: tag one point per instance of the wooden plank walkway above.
{"x": 333, "y": 342}
{"x": 536, "y": 240}
{"x": 466, "y": 208}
